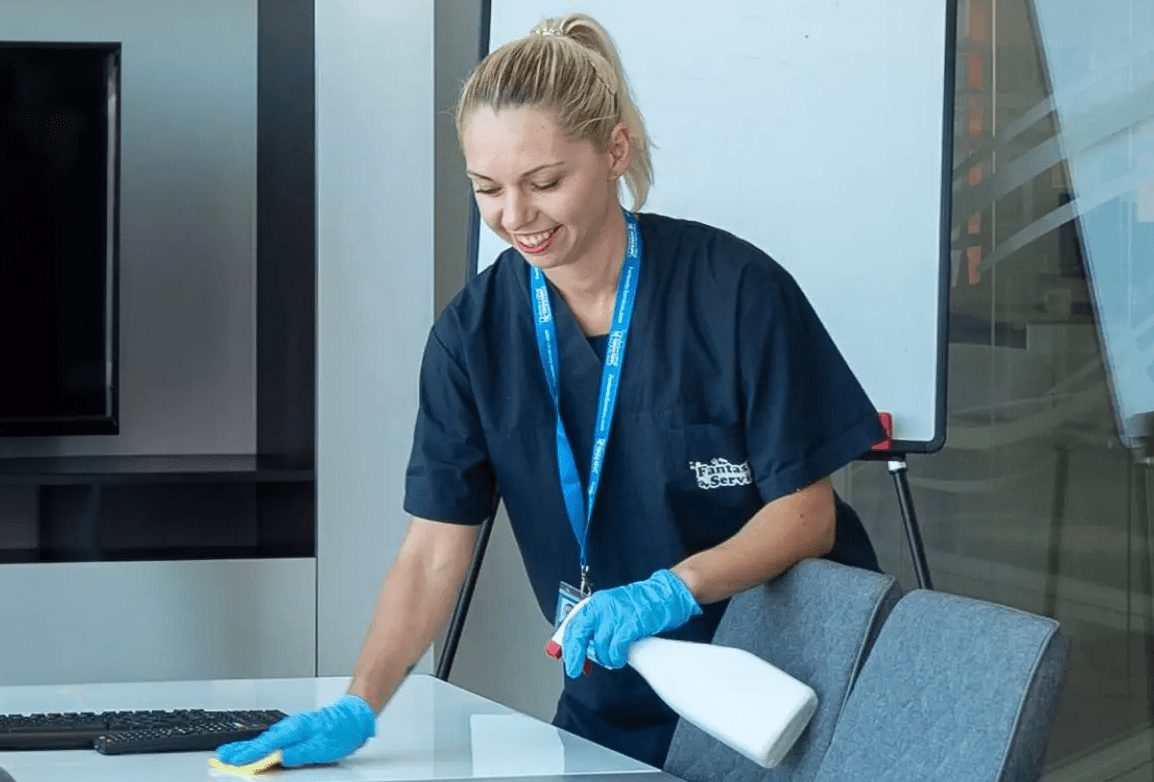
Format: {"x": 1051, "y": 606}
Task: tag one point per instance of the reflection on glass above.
{"x": 1102, "y": 90}
{"x": 1039, "y": 499}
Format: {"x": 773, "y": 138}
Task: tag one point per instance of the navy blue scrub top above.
{"x": 732, "y": 395}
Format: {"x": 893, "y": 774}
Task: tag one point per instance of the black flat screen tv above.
{"x": 59, "y": 244}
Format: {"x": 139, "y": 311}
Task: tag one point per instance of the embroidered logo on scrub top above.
{"x": 721, "y": 472}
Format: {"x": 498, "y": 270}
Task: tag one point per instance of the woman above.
{"x": 654, "y": 399}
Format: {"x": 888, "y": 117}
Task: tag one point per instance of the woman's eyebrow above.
{"x": 528, "y": 173}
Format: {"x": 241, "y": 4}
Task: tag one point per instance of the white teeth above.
{"x": 533, "y": 240}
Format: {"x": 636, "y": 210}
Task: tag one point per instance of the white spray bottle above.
{"x": 736, "y": 697}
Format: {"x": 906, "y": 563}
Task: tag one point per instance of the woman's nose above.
{"x": 517, "y": 211}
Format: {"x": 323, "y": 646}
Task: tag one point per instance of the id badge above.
{"x": 567, "y": 597}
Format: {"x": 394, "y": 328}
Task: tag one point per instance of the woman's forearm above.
{"x": 777, "y": 537}
{"x": 415, "y": 602}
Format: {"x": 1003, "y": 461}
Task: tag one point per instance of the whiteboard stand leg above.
{"x": 898, "y": 469}
{"x": 1144, "y": 500}
{"x": 464, "y": 599}
{"x": 1143, "y": 505}
{"x": 1057, "y": 525}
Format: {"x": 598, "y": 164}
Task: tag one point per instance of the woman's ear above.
{"x": 620, "y": 150}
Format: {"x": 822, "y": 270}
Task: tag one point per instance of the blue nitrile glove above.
{"x": 322, "y": 736}
{"x": 613, "y": 620}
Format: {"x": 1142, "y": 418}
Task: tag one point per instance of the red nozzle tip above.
{"x": 553, "y": 649}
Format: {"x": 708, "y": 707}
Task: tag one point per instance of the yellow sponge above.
{"x": 250, "y": 769}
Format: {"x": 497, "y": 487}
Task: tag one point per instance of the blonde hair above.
{"x": 568, "y": 65}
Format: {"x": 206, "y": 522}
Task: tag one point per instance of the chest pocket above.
{"x": 709, "y": 470}
{"x": 710, "y": 488}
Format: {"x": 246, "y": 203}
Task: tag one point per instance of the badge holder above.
{"x": 567, "y": 597}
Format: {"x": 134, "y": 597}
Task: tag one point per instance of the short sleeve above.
{"x": 806, "y": 415}
{"x": 449, "y": 477}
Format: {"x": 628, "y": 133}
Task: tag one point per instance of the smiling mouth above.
{"x": 536, "y": 243}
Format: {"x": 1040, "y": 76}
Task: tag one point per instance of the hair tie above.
{"x": 551, "y": 31}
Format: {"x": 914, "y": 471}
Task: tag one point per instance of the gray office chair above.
{"x": 954, "y": 689}
{"x": 816, "y": 622}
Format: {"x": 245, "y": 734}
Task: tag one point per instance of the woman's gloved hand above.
{"x": 614, "y": 619}
{"x": 322, "y": 736}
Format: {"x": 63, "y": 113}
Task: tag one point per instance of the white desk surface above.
{"x": 431, "y": 730}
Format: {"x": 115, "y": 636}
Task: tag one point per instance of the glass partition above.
{"x": 1041, "y": 497}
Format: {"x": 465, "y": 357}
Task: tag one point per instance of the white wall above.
{"x": 374, "y": 105}
{"x": 187, "y": 218}
{"x": 188, "y": 372}
{"x": 77, "y": 622}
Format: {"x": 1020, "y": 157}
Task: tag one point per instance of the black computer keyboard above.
{"x": 119, "y": 732}
{"x": 186, "y": 738}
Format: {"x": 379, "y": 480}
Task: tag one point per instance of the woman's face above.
{"x": 546, "y": 194}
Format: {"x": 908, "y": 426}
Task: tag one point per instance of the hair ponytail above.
{"x": 568, "y": 65}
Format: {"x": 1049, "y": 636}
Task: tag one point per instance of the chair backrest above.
{"x": 955, "y": 689}
{"x": 816, "y": 622}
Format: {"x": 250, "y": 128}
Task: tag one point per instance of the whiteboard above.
{"x": 821, "y": 132}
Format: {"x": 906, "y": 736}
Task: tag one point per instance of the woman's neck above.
{"x": 590, "y": 284}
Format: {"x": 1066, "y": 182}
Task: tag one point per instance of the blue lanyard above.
{"x": 577, "y": 505}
